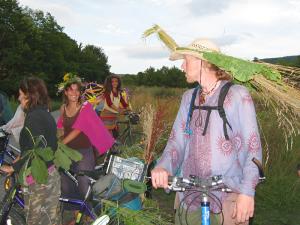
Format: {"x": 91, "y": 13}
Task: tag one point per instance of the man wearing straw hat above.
{"x": 204, "y": 144}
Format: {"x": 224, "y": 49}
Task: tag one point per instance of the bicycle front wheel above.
{"x": 14, "y": 217}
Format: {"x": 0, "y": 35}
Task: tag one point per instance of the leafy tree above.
{"x": 33, "y": 43}
{"x": 93, "y": 64}
{"x": 163, "y": 77}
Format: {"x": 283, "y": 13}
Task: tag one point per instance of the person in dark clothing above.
{"x": 41, "y": 200}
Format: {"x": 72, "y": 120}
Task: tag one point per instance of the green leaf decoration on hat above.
{"x": 241, "y": 70}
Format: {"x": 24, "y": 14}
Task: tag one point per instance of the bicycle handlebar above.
{"x": 214, "y": 182}
{"x": 3, "y": 133}
{"x": 181, "y": 184}
{"x": 92, "y": 175}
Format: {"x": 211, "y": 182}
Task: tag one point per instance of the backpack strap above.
{"x": 208, "y": 109}
{"x": 187, "y": 129}
{"x": 223, "y": 92}
{"x": 221, "y": 110}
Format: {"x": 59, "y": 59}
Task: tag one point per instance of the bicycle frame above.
{"x": 14, "y": 197}
{"x": 126, "y": 133}
{"x": 11, "y": 198}
{"x": 14, "y": 194}
{"x": 83, "y": 208}
{"x": 7, "y": 151}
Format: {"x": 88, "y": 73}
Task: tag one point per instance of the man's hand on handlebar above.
{"x": 159, "y": 177}
{"x": 244, "y": 208}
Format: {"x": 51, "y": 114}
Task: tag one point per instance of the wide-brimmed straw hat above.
{"x": 196, "y": 48}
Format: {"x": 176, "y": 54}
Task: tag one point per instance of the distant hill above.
{"x": 286, "y": 60}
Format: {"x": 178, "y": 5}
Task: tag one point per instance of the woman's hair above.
{"x": 79, "y": 86}
{"x": 35, "y": 91}
{"x": 108, "y": 85}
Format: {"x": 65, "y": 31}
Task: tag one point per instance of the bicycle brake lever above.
{"x": 176, "y": 188}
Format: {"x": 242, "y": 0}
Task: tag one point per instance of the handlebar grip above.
{"x": 171, "y": 179}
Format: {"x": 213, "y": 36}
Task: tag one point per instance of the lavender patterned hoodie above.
{"x": 212, "y": 154}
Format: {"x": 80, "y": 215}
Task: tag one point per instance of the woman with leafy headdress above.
{"x": 81, "y": 128}
{"x": 41, "y": 200}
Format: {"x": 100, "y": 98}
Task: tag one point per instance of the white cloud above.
{"x": 204, "y": 7}
{"x": 112, "y": 29}
{"x": 146, "y": 52}
{"x": 243, "y": 28}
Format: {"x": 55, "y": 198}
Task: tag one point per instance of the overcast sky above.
{"x": 242, "y": 28}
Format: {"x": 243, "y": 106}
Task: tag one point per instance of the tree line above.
{"x": 33, "y": 43}
{"x": 163, "y": 77}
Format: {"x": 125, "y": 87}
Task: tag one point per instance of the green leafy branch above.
{"x": 37, "y": 157}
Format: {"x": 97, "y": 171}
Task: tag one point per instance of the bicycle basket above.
{"x": 131, "y": 168}
{"x": 107, "y": 186}
{"x": 134, "y": 118}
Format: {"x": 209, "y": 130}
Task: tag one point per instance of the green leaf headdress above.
{"x": 266, "y": 78}
{"x": 68, "y": 78}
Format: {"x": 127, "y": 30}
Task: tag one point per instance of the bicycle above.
{"x": 9, "y": 215}
{"x": 13, "y": 215}
{"x": 11, "y": 208}
{"x": 127, "y": 136}
{"x": 203, "y": 186}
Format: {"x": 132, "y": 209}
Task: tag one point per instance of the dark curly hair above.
{"x": 108, "y": 86}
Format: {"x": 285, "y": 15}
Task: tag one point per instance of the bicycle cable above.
{"x": 182, "y": 202}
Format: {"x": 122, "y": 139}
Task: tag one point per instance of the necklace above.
{"x": 204, "y": 94}
{"x": 71, "y": 111}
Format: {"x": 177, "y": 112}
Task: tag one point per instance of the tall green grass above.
{"x": 278, "y": 198}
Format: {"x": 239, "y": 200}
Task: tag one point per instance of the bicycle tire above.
{"x": 16, "y": 217}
